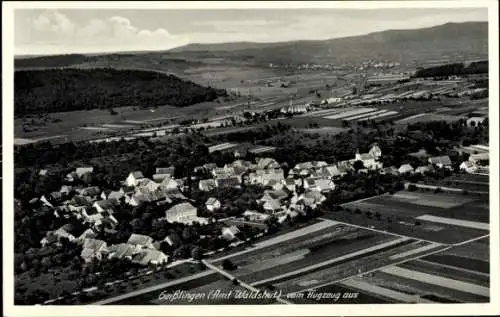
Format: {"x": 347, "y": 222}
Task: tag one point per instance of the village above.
{"x": 282, "y": 198}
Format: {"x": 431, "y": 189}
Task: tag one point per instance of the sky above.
{"x": 39, "y": 32}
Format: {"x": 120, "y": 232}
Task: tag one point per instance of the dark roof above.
{"x": 228, "y": 182}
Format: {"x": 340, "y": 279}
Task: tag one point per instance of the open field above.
{"x": 319, "y": 258}
{"x": 469, "y": 182}
{"x": 341, "y": 270}
{"x": 424, "y": 287}
{"x": 455, "y": 222}
{"x": 415, "y": 204}
{"x": 432, "y": 233}
{"x": 430, "y": 117}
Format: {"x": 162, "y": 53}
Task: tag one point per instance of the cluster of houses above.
{"x": 304, "y": 187}
{"x": 95, "y": 208}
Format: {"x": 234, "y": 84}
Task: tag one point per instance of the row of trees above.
{"x": 480, "y": 67}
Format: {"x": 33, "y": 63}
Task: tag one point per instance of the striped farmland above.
{"x": 365, "y": 115}
{"x": 351, "y": 113}
{"x": 380, "y": 115}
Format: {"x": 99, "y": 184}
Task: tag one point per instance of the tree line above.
{"x": 480, "y": 67}
{"x": 62, "y": 90}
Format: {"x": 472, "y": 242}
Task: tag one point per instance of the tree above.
{"x": 196, "y": 253}
{"x": 228, "y": 265}
{"x": 358, "y": 165}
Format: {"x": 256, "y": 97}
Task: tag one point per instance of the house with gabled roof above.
{"x": 68, "y": 231}
{"x": 104, "y": 205}
{"x": 93, "y": 249}
{"x": 272, "y": 206}
{"x": 243, "y": 164}
{"x": 468, "y": 167}
{"x": 123, "y": 250}
{"x": 229, "y": 233}
{"x": 263, "y": 177}
{"x": 389, "y": 170}
{"x": 228, "y": 182}
{"x": 212, "y": 204}
{"x": 87, "y": 234}
{"x": 92, "y": 191}
{"x": 183, "y": 213}
{"x": 480, "y": 158}
{"x": 321, "y": 185}
{"x": 140, "y": 240}
{"x": 133, "y": 178}
{"x": 312, "y": 198}
{"x": 267, "y": 163}
{"x": 405, "y": 168}
{"x": 80, "y": 171}
{"x": 375, "y": 152}
{"x": 440, "y": 161}
{"x": 93, "y": 217}
{"x": 79, "y": 203}
{"x": 165, "y": 171}
{"x": 150, "y": 256}
{"x": 423, "y": 169}
{"x": 66, "y": 190}
{"x": 207, "y": 185}
{"x": 169, "y": 183}
{"x": 253, "y": 215}
{"x": 116, "y": 196}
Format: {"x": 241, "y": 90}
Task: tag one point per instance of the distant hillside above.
{"x": 55, "y": 90}
{"x": 217, "y": 47}
{"x": 451, "y": 39}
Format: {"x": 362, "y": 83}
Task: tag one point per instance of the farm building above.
{"x": 150, "y": 256}
{"x": 140, "y": 241}
{"x": 468, "y": 167}
{"x": 183, "y": 213}
{"x": 229, "y": 233}
{"x": 480, "y": 159}
{"x": 440, "y": 161}
{"x": 474, "y": 121}
{"x": 405, "y": 168}
{"x": 212, "y": 204}
{"x": 133, "y": 178}
{"x": 207, "y": 184}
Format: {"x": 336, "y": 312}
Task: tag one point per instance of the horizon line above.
{"x": 238, "y": 42}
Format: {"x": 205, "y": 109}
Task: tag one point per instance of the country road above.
{"x": 241, "y": 283}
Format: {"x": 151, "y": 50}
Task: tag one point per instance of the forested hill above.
{"x": 58, "y": 90}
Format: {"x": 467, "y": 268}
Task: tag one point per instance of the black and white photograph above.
{"x": 287, "y": 156}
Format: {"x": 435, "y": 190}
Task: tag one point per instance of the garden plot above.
{"x": 321, "y": 227}
{"x": 365, "y": 115}
{"x": 329, "y": 262}
{"x": 448, "y": 271}
{"x": 439, "y": 293}
{"x": 119, "y": 126}
{"x": 380, "y": 115}
{"x": 438, "y": 280}
{"x": 325, "y": 112}
{"x": 95, "y": 128}
{"x": 222, "y": 147}
{"x": 342, "y": 270}
{"x": 456, "y": 222}
{"x": 350, "y": 113}
{"x": 399, "y": 297}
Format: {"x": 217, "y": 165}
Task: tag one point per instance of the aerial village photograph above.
{"x": 251, "y": 156}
